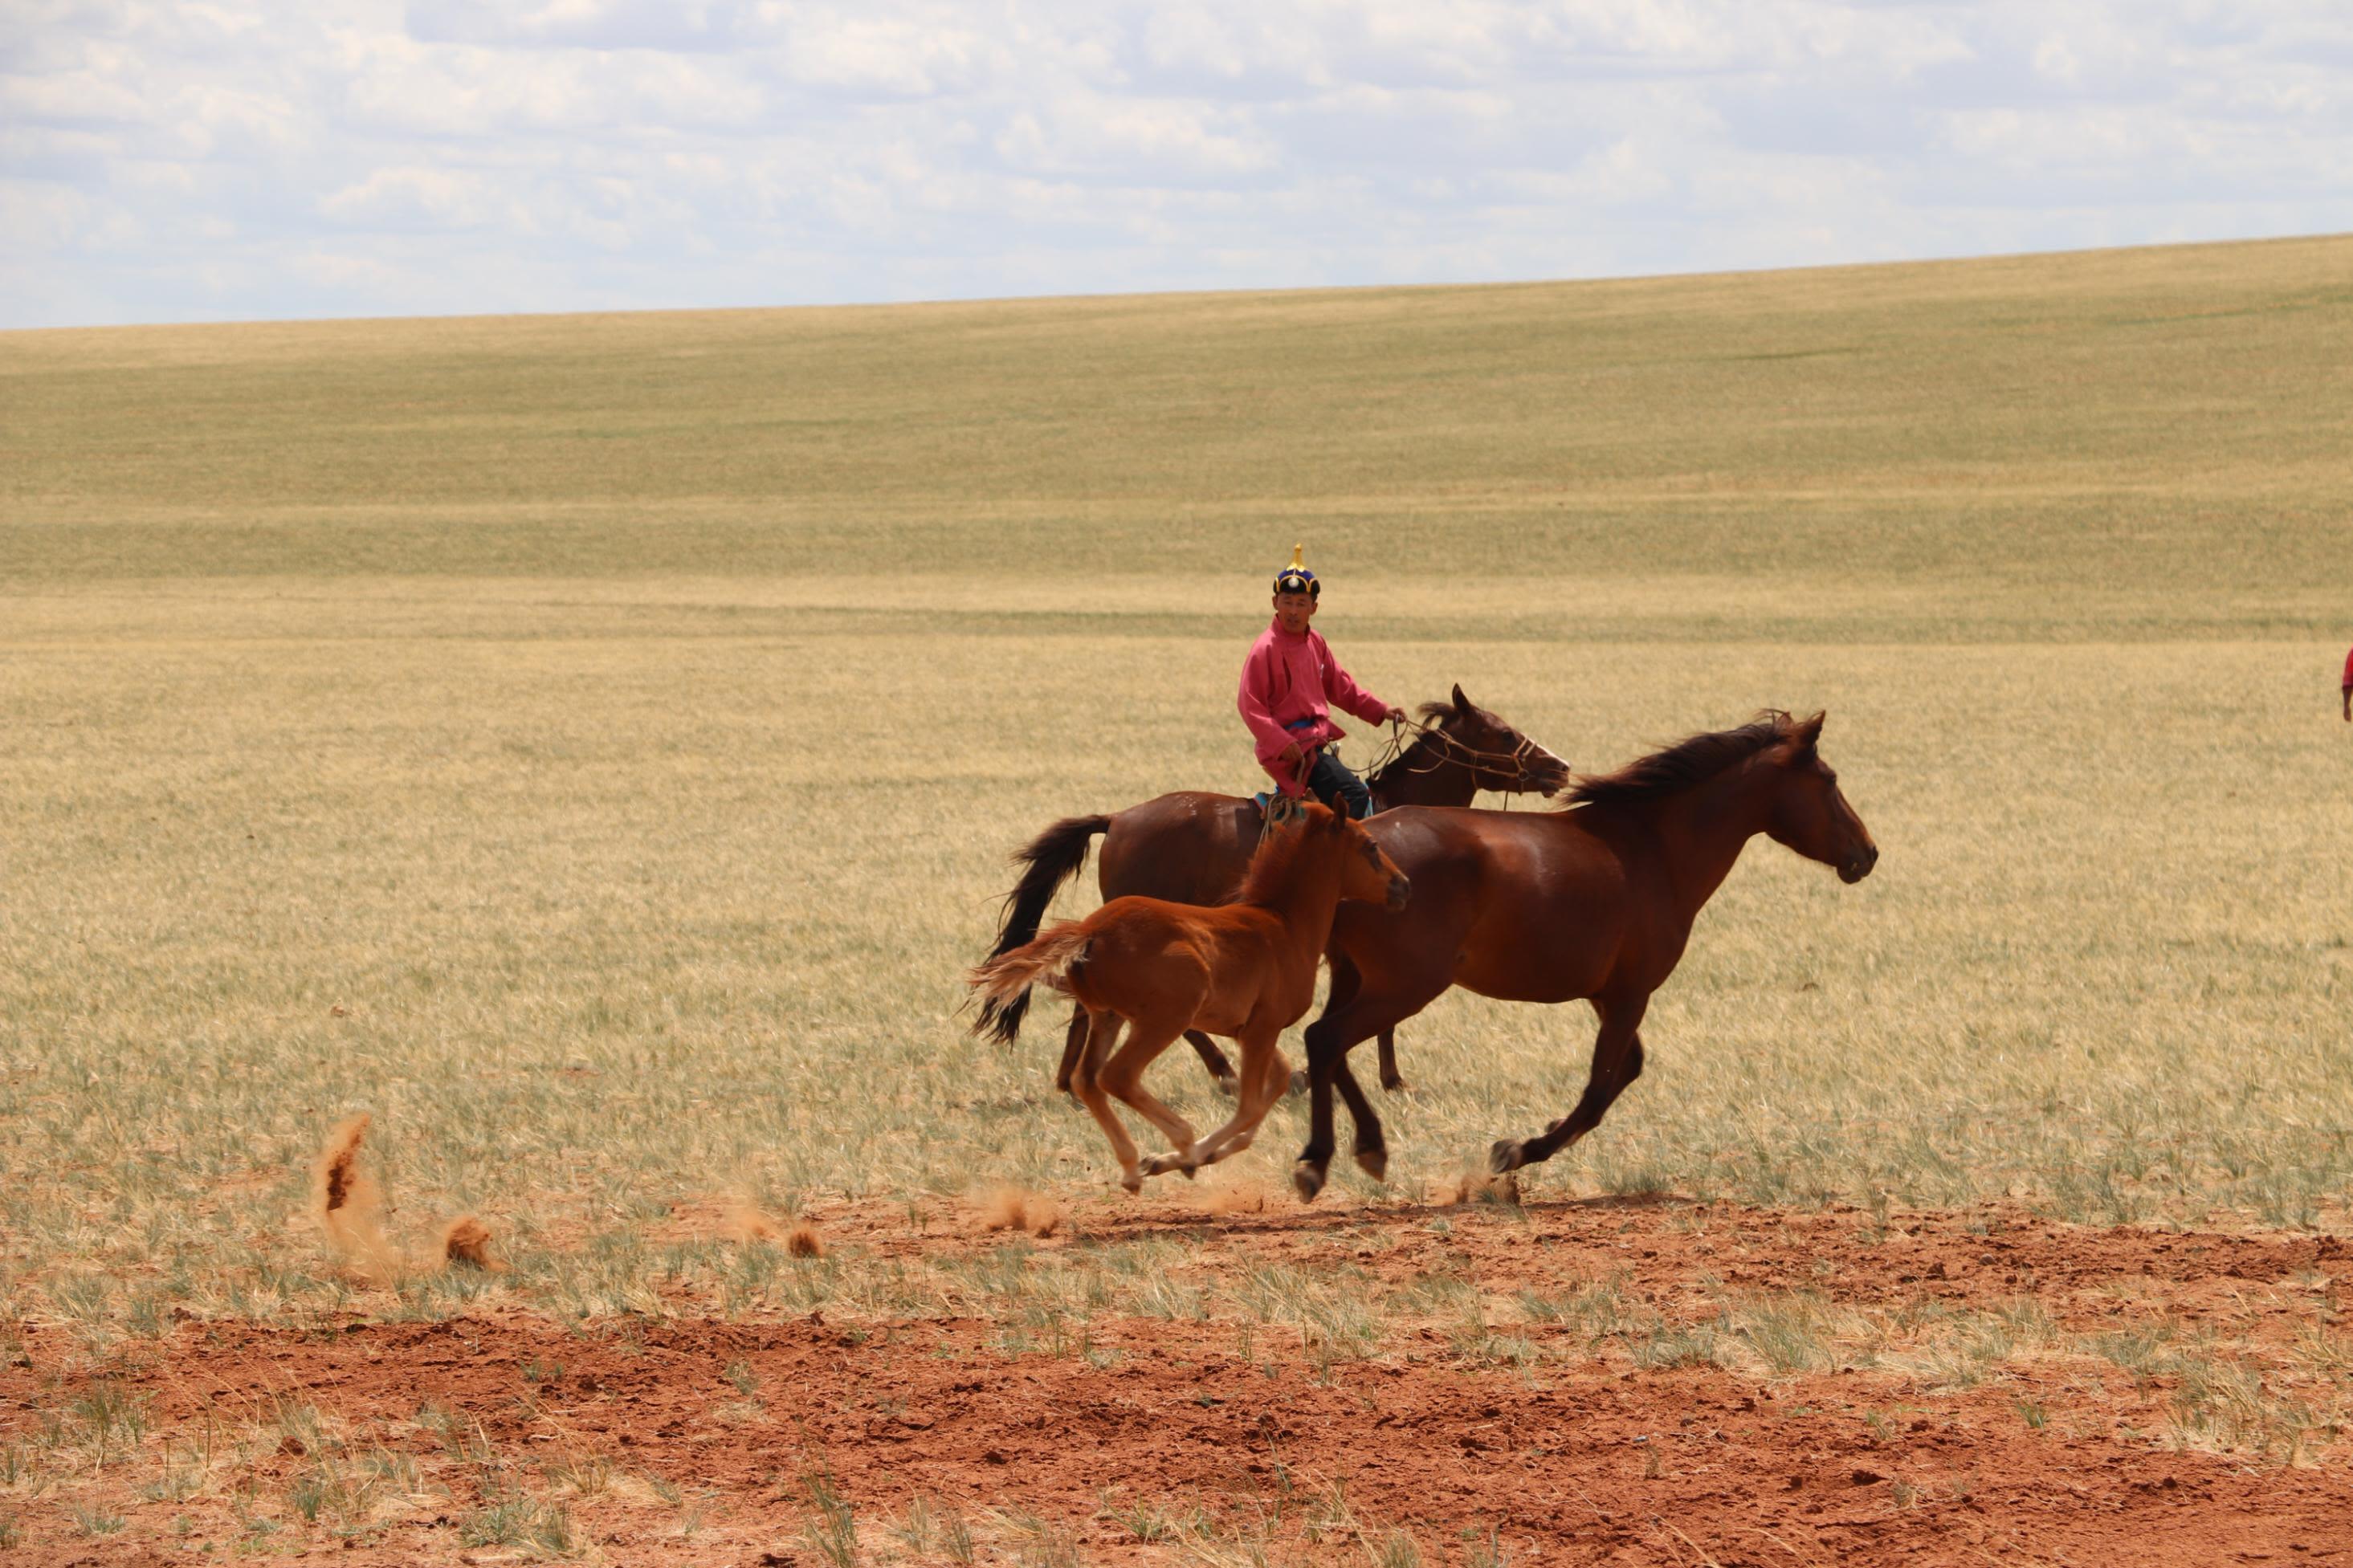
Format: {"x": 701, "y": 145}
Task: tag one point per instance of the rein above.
{"x": 1449, "y": 749}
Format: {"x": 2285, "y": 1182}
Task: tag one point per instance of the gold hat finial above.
{"x": 1299, "y": 558}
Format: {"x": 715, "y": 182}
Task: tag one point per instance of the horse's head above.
{"x": 1366, "y": 873}
{"x": 1499, "y": 757}
{"x": 1809, "y": 813}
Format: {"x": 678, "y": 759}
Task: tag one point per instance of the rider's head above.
{"x": 1296, "y": 592}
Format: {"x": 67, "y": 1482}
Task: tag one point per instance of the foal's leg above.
{"x": 1391, "y": 1079}
{"x": 1087, "y": 1084}
{"x": 1264, "y": 1076}
{"x": 1617, "y": 1062}
{"x": 1214, "y": 1059}
{"x": 1122, "y": 1076}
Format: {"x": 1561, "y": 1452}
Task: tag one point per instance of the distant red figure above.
{"x": 2347, "y": 689}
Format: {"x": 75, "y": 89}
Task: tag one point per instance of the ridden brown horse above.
{"x": 1594, "y": 903}
{"x": 1245, "y": 969}
{"x": 1192, "y": 848}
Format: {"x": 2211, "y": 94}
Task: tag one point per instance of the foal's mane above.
{"x": 1271, "y": 861}
{"x": 1693, "y": 760}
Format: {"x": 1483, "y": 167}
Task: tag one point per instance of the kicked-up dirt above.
{"x": 1607, "y": 1381}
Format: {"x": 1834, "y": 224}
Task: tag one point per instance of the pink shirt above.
{"x": 1287, "y": 679}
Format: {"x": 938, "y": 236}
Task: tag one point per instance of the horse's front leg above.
{"x": 1308, "y": 1173}
{"x": 1617, "y": 1062}
{"x": 1355, "y": 1011}
{"x": 1391, "y": 1079}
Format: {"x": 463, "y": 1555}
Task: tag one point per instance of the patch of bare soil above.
{"x": 690, "y": 1440}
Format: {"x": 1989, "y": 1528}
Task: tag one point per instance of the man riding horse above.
{"x": 1289, "y": 682}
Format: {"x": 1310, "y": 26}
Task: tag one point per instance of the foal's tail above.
{"x": 1052, "y": 857}
{"x": 1004, "y": 979}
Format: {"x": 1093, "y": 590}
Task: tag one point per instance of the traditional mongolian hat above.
{"x": 1296, "y": 578}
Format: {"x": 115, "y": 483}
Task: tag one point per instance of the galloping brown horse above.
{"x": 1245, "y": 969}
{"x": 1192, "y": 848}
{"x": 1594, "y": 903}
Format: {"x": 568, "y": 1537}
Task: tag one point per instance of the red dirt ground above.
{"x": 1584, "y": 1457}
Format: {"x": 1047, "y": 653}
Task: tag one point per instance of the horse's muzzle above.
{"x": 1400, "y": 889}
{"x": 1857, "y": 868}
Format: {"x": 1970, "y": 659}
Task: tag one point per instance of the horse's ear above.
{"x": 1809, "y": 732}
{"x": 1461, "y": 703}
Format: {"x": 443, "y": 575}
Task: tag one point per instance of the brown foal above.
{"x": 1246, "y": 969}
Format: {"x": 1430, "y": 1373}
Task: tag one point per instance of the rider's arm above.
{"x": 1341, "y": 690}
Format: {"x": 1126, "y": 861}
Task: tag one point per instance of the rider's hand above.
{"x": 1292, "y": 755}
{"x": 1396, "y": 715}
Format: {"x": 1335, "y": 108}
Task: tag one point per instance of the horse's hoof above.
{"x": 1298, "y": 1081}
{"x": 1506, "y": 1155}
{"x": 1374, "y": 1162}
{"x": 1308, "y": 1178}
{"x": 1394, "y": 1085}
{"x": 1229, "y": 1085}
{"x": 1132, "y": 1183}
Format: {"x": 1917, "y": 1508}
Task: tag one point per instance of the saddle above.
{"x": 1279, "y": 811}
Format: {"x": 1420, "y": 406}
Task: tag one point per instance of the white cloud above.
{"x": 412, "y": 197}
{"x": 223, "y": 158}
{"x": 1133, "y": 142}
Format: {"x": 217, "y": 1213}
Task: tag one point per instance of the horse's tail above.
{"x": 1004, "y": 979}
{"x": 1051, "y": 858}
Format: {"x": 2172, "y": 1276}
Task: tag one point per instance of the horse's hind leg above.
{"x": 1214, "y": 1059}
{"x": 1074, "y": 1043}
{"x": 1617, "y": 1062}
{"x": 1122, "y": 1076}
{"x": 1087, "y": 1083}
{"x": 1391, "y": 1079}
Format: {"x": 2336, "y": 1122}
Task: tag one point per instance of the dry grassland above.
{"x": 590, "y": 746}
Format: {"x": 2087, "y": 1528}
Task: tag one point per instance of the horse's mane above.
{"x": 1693, "y": 760}
{"x": 1432, "y": 714}
{"x": 1270, "y": 862}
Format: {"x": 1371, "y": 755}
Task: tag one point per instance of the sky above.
{"x": 253, "y": 159}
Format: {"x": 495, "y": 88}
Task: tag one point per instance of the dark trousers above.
{"x": 1330, "y": 782}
